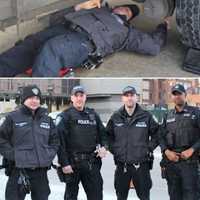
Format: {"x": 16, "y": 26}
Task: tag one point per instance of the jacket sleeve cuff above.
{"x": 10, "y": 155}
{"x": 195, "y": 147}
{"x": 65, "y": 163}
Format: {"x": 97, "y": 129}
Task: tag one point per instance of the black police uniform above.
{"x": 81, "y": 132}
{"x": 31, "y": 142}
{"x": 130, "y": 144}
{"x": 181, "y": 131}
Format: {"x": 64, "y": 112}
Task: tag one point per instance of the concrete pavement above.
{"x": 125, "y": 64}
{"x": 159, "y": 189}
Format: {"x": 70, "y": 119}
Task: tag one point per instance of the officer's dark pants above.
{"x": 21, "y": 57}
{"x": 91, "y": 179}
{"x": 39, "y": 185}
{"x": 182, "y": 180}
{"x": 141, "y": 179}
{"x": 68, "y": 50}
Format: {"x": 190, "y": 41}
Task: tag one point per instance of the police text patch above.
{"x": 86, "y": 122}
{"x": 45, "y": 125}
{"x": 141, "y": 124}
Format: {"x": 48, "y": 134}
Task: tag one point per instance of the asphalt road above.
{"x": 159, "y": 189}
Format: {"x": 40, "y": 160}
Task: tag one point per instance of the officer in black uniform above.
{"x": 133, "y": 136}
{"x": 83, "y": 144}
{"x": 180, "y": 144}
{"x": 85, "y": 36}
{"x": 29, "y": 139}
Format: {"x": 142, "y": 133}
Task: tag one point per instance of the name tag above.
{"x": 21, "y": 124}
{"x": 186, "y": 114}
{"x": 119, "y": 124}
{"x": 171, "y": 120}
{"x": 141, "y": 124}
{"x": 45, "y": 125}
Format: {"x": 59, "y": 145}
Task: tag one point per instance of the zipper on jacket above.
{"x": 35, "y": 144}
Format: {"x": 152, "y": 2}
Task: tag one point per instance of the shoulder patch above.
{"x": 58, "y": 120}
{"x": 2, "y": 120}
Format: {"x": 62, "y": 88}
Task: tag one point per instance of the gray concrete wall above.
{"x": 110, "y": 86}
{"x": 113, "y": 87}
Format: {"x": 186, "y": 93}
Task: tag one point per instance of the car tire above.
{"x": 188, "y": 22}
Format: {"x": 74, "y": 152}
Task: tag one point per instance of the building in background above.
{"x": 55, "y": 92}
{"x": 103, "y": 94}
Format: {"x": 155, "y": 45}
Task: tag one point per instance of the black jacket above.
{"x": 110, "y": 33}
{"x": 181, "y": 130}
{"x": 130, "y": 141}
{"x": 30, "y": 141}
{"x": 80, "y": 132}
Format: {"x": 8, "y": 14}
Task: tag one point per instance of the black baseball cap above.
{"x": 178, "y": 88}
{"x": 129, "y": 89}
{"x": 77, "y": 88}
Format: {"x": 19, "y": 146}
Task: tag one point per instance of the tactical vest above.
{"x": 30, "y": 139}
{"x": 182, "y": 129}
{"x": 83, "y": 133}
{"x": 108, "y": 34}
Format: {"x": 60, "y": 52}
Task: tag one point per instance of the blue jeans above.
{"x": 21, "y": 57}
{"x": 68, "y": 50}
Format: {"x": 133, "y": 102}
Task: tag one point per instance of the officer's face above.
{"x": 129, "y": 100}
{"x": 32, "y": 102}
{"x": 123, "y": 11}
{"x": 179, "y": 98}
{"x": 78, "y": 100}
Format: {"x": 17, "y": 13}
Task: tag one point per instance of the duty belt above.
{"x": 94, "y": 59}
{"x": 126, "y": 165}
{"x": 83, "y": 156}
{"x": 90, "y": 44}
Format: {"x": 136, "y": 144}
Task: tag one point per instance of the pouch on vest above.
{"x": 192, "y": 61}
{"x": 150, "y": 160}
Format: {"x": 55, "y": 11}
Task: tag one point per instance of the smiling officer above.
{"x": 83, "y": 144}
{"x": 28, "y": 140}
{"x": 133, "y": 136}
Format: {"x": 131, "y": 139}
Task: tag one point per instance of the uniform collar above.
{"x": 136, "y": 112}
{"x": 85, "y": 110}
{"x": 185, "y": 109}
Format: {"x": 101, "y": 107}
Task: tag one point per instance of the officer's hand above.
{"x": 172, "y": 156}
{"x": 168, "y": 21}
{"x": 67, "y": 169}
{"x": 88, "y": 5}
{"x": 187, "y": 153}
{"x": 101, "y": 152}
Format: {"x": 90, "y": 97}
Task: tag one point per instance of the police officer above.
{"x": 28, "y": 138}
{"x": 83, "y": 144}
{"x": 86, "y": 36}
{"x": 133, "y": 136}
{"x": 180, "y": 144}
